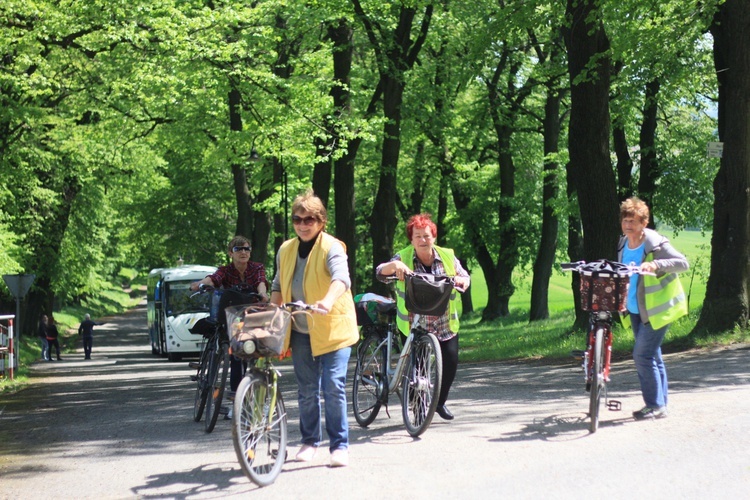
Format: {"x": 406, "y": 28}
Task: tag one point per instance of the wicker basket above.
{"x": 263, "y": 324}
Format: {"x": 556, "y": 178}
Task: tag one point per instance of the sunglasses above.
{"x": 241, "y": 249}
{"x": 308, "y": 221}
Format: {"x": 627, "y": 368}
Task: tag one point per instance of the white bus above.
{"x": 172, "y": 312}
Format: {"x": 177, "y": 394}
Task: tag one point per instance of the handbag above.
{"x": 427, "y": 294}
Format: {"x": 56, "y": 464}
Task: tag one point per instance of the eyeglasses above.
{"x": 241, "y": 249}
{"x": 308, "y": 221}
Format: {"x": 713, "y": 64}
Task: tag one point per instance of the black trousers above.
{"x": 449, "y": 350}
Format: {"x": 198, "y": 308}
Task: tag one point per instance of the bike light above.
{"x": 248, "y": 347}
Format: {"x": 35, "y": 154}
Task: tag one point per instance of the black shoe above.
{"x": 444, "y": 412}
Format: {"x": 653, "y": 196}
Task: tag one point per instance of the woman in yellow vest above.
{"x": 654, "y": 302}
{"x": 423, "y": 256}
{"x": 313, "y": 268}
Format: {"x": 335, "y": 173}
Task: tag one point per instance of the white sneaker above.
{"x": 306, "y": 453}
{"x": 340, "y": 457}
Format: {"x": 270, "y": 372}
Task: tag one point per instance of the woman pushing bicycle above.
{"x": 313, "y": 268}
{"x": 653, "y": 303}
{"x": 423, "y": 256}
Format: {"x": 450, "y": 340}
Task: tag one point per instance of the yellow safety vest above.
{"x": 665, "y": 299}
{"x": 402, "y": 316}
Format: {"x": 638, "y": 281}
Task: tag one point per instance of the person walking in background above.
{"x": 313, "y": 268}
{"x": 423, "y": 256}
{"x": 52, "y": 339}
{"x": 87, "y": 331}
{"x": 654, "y": 302}
{"x": 41, "y": 332}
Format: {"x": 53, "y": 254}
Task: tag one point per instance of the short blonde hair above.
{"x": 636, "y": 208}
{"x": 310, "y": 203}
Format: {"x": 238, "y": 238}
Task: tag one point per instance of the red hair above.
{"x": 420, "y": 221}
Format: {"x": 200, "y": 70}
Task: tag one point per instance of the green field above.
{"x": 693, "y": 244}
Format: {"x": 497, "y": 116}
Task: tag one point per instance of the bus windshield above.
{"x": 178, "y": 299}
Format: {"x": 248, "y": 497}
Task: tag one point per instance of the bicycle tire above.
{"x": 421, "y": 384}
{"x": 217, "y": 382}
{"x": 201, "y": 389}
{"x": 597, "y": 380}
{"x": 260, "y": 445}
{"x": 370, "y": 380}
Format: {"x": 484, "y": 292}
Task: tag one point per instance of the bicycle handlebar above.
{"x": 301, "y": 306}
{"x": 452, "y": 279}
{"x": 605, "y": 266}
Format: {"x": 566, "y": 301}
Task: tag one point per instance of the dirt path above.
{"x": 120, "y": 426}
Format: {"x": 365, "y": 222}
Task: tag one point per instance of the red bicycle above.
{"x": 604, "y": 291}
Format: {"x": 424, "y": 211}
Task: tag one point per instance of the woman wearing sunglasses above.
{"x": 241, "y": 271}
{"x": 313, "y": 268}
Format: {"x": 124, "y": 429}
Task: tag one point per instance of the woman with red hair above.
{"x": 423, "y": 256}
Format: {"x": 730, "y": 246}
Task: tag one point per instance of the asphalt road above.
{"x": 120, "y": 426}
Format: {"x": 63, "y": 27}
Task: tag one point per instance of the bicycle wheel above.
{"x": 217, "y": 379}
{"x": 597, "y": 380}
{"x": 370, "y": 380}
{"x": 421, "y": 384}
{"x": 259, "y": 436}
{"x": 201, "y": 389}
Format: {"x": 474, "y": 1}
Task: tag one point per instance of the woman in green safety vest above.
{"x": 654, "y": 302}
{"x": 423, "y": 256}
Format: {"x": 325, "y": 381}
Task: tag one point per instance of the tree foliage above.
{"x": 138, "y": 133}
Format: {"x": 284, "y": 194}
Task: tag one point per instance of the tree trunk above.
{"x": 588, "y": 138}
{"x": 383, "y": 219}
{"x": 649, "y": 171}
{"x": 727, "y": 301}
{"x": 545, "y": 257}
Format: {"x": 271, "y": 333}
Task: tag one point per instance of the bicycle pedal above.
{"x": 614, "y": 405}
{"x": 577, "y": 354}
{"x": 194, "y": 378}
{"x": 194, "y": 365}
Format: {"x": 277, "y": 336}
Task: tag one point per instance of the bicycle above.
{"x": 259, "y": 425}
{"x": 419, "y": 370}
{"x": 213, "y": 368}
{"x": 604, "y": 291}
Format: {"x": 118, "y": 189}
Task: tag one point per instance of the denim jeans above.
{"x": 649, "y": 364}
{"x": 326, "y": 373}
{"x": 45, "y": 348}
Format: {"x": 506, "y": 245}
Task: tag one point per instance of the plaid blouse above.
{"x": 228, "y": 276}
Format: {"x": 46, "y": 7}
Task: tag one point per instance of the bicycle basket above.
{"x": 427, "y": 294}
{"x": 264, "y": 324}
{"x": 604, "y": 287}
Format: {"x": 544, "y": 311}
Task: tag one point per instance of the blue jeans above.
{"x": 648, "y": 362}
{"x": 326, "y": 373}
{"x": 45, "y": 348}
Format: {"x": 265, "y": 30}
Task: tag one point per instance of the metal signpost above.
{"x": 18, "y": 284}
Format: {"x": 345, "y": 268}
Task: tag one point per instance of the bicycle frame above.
{"x": 598, "y": 320}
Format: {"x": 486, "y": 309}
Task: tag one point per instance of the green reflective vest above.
{"x": 665, "y": 299}
{"x": 407, "y": 257}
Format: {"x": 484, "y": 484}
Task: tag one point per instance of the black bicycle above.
{"x": 212, "y": 370}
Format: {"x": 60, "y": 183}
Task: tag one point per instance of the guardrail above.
{"x": 7, "y": 353}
